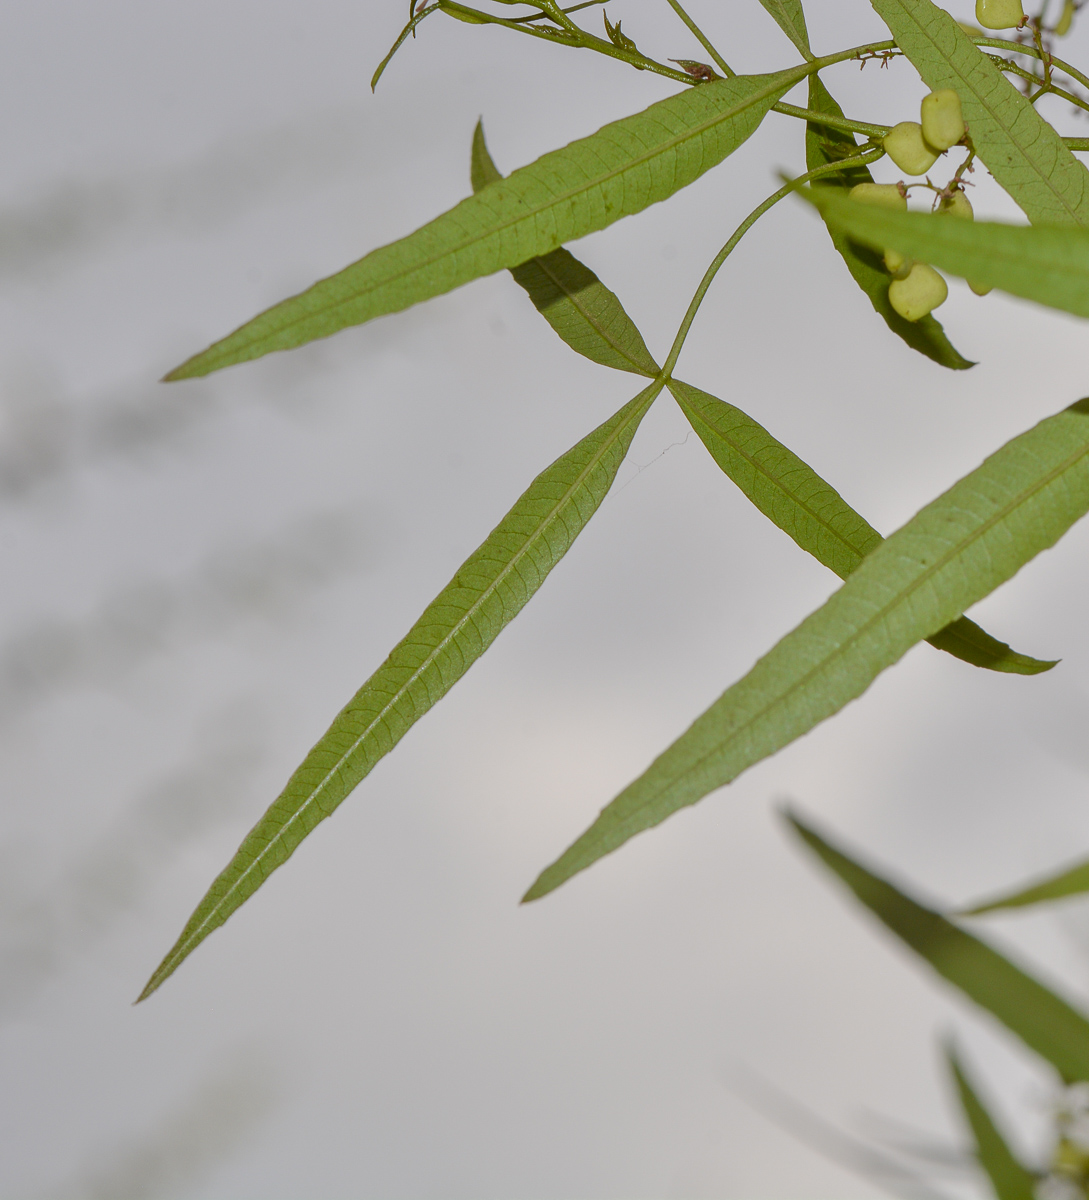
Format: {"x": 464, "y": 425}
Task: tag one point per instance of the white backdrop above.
{"x": 199, "y": 575}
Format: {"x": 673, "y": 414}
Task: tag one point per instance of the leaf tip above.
{"x": 187, "y": 370}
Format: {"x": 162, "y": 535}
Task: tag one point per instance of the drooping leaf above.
{"x": 1010, "y": 1178}
{"x": 824, "y": 145}
{"x": 570, "y": 297}
{"x": 489, "y": 590}
{"x": 957, "y": 550}
{"x": 793, "y": 496}
{"x": 1047, "y": 264}
{"x": 1020, "y": 149}
{"x": 1073, "y": 881}
{"x": 586, "y": 186}
{"x": 790, "y": 18}
{"x": 1028, "y": 1009}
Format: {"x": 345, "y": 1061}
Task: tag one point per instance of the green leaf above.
{"x": 790, "y": 18}
{"x": 1041, "y": 1019}
{"x": 954, "y": 552}
{"x": 793, "y": 496}
{"x": 489, "y": 590}
{"x": 1020, "y": 149}
{"x": 1073, "y": 881}
{"x": 1010, "y": 1179}
{"x": 822, "y": 146}
{"x": 570, "y": 297}
{"x": 614, "y": 173}
{"x": 1037, "y": 262}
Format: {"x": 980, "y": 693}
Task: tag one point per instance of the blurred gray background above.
{"x": 199, "y": 575}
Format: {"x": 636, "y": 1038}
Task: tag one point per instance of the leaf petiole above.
{"x": 859, "y": 160}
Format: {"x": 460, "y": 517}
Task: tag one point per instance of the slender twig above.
{"x": 540, "y": 16}
{"x": 820, "y": 118}
{"x": 859, "y": 160}
{"x": 703, "y": 39}
{"x": 569, "y": 34}
{"x": 1045, "y": 89}
{"x": 1032, "y": 52}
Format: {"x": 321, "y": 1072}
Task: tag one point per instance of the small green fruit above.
{"x": 958, "y": 205}
{"x": 999, "y": 14}
{"x": 905, "y": 145}
{"x": 898, "y": 265}
{"x": 923, "y": 290}
{"x": 885, "y": 195}
{"x": 943, "y": 121}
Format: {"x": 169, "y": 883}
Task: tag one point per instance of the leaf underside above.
{"x": 807, "y": 508}
{"x": 1020, "y": 149}
{"x": 1010, "y": 1179}
{"x": 790, "y": 17}
{"x": 489, "y": 590}
{"x": 1028, "y": 1009}
{"x": 586, "y": 186}
{"x": 570, "y": 297}
{"x": 955, "y": 551}
{"x": 825, "y": 145}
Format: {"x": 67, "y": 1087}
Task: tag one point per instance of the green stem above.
{"x": 1045, "y": 89}
{"x": 703, "y": 39}
{"x": 860, "y": 160}
{"x": 571, "y": 9}
{"x": 1032, "y": 52}
{"x": 819, "y": 118}
{"x": 568, "y": 35}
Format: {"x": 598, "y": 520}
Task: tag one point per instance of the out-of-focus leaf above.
{"x": 1034, "y": 1013}
{"x": 790, "y": 18}
{"x": 570, "y": 297}
{"x": 793, "y": 496}
{"x": 825, "y": 145}
{"x": 1010, "y": 1179}
{"x": 586, "y": 186}
{"x": 957, "y": 550}
{"x": 489, "y": 590}
{"x": 1020, "y": 149}
{"x": 1073, "y": 881}
{"x": 1037, "y": 262}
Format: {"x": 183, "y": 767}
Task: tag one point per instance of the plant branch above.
{"x": 859, "y": 160}
{"x": 1032, "y": 52}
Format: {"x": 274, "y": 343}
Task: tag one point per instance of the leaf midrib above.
{"x": 784, "y": 80}
{"x": 939, "y": 563}
{"x": 311, "y": 799}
